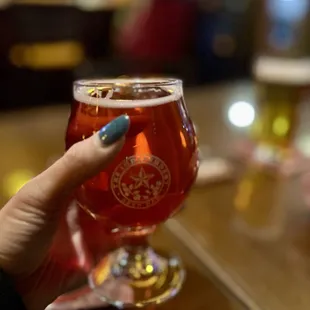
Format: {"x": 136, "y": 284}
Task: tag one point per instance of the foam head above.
{"x": 282, "y": 70}
{"x": 127, "y": 93}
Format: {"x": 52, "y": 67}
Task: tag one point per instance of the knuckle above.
{"x": 79, "y": 159}
{"x": 32, "y": 194}
{"x": 74, "y": 156}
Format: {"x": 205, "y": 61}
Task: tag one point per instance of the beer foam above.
{"x": 282, "y": 70}
{"x": 83, "y": 87}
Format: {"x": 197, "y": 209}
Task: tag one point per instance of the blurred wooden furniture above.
{"x": 87, "y": 5}
{"x": 44, "y": 43}
{"x": 253, "y": 274}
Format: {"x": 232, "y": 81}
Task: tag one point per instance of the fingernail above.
{"x": 113, "y": 131}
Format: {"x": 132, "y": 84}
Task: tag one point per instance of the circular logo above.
{"x": 140, "y": 182}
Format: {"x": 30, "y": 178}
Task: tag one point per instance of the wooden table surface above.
{"x": 265, "y": 273}
{"x": 224, "y": 264}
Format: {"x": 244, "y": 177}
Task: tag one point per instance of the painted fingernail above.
{"x": 113, "y": 131}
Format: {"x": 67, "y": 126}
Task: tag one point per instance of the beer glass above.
{"x": 76, "y": 251}
{"x": 144, "y": 185}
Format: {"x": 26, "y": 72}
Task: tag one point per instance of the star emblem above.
{"x": 142, "y": 179}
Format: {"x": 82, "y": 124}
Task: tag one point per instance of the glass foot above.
{"x": 137, "y": 277}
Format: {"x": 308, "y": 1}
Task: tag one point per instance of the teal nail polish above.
{"x": 113, "y": 131}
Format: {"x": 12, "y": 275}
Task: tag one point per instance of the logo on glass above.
{"x": 140, "y": 182}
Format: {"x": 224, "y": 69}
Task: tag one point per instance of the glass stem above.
{"x": 137, "y": 237}
{"x": 136, "y": 259}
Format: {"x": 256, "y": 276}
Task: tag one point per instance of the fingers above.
{"x": 82, "y": 161}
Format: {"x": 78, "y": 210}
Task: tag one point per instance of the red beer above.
{"x": 150, "y": 177}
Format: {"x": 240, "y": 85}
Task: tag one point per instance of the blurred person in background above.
{"x": 156, "y": 36}
{"x": 199, "y": 40}
{"x": 224, "y": 40}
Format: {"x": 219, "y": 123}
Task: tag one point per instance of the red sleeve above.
{"x": 162, "y": 31}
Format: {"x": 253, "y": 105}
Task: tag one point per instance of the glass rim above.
{"x": 130, "y": 81}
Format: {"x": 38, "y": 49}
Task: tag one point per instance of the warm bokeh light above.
{"x": 303, "y": 145}
{"x": 93, "y": 5}
{"x": 142, "y": 145}
{"x": 45, "y": 2}
{"x": 281, "y": 126}
{"x": 241, "y": 114}
{"x": 183, "y": 139}
{"x": 5, "y": 3}
{"x": 65, "y": 54}
{"x": 15, "y": 180}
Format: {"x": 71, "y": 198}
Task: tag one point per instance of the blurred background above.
{"x": 47, "y": 44}
{"x": 244, "y": 233}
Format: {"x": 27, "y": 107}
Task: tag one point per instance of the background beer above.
{"x": 281, "y": 70}
{"x": 277, "y": 114}
{"x": 282, "y": 74}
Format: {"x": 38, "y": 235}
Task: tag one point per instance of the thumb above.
{"x": 30, "y": 219}
{"x": 81, "y": 162}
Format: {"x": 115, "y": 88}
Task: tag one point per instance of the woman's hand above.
{"x": 30, "y": 221}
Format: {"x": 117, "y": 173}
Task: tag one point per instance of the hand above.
{"x": 31, "y": 220}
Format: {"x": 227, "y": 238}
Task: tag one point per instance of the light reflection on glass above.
{"x": 183, "y": 139}
{"x": 241, "y": 114}
{"x": 281, "y": 126}
{"x": 142, "y": 145}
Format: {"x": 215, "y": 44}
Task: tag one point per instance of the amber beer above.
{"x": 150, "y": 177}
{"x": 282, "y": 70}
{"x": 282, "y": 85}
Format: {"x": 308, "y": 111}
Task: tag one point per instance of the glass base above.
{"x": 83, "y": 298}
{"x": 137, "y": 277}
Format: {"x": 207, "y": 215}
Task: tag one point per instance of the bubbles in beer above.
{"x": 125, "y": 93}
